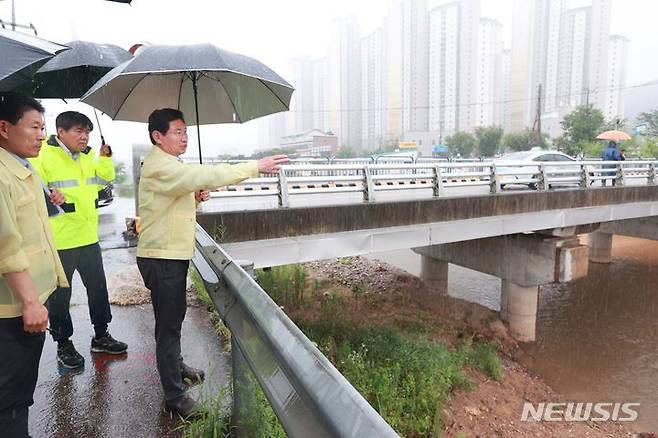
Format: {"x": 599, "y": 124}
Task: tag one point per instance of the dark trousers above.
{"x": 19, "y": 367}
{"x": 166, "y": 280}
{"x": 88, "y": 261}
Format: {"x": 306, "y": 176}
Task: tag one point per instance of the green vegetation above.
{"x": 404, "y": 375}
{"x": 461, "y": 144}
{"x": 522, "y": 141}
{"x": 581, "y": 126}
{"x": 488, "y": 140}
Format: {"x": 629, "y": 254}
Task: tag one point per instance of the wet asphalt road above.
{"x": 119, "y": 396}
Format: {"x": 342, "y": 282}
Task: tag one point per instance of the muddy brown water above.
{"x": 596, "y": 337}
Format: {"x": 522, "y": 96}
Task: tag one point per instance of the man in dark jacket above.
{"x": 610, "y": 153}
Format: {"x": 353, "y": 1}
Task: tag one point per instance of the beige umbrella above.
{"x": 613, "y": 135}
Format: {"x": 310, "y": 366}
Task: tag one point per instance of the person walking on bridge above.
{"x": 29, "y": 266}
{"x": 68, "y": 164}
{"x": 169, "y": 192}
{"x": 610, "y": 153}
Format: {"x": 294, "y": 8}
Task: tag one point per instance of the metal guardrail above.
{"x": 309, "y": 396}
{"x": 370, "y": 179}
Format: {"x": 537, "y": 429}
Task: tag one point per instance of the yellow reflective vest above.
{"x": 79, "y": 181}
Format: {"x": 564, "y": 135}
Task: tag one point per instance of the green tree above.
{"x": 651, "y": 120}
{"x": 649, "y": 149}
{"x": 580, "y": 126}
{"x": 346, "y": 152}
{"x": 462, "y": 144}
{"x": 121, "y": 174}
{"x": 488, "y": 140}
{"x": 522, "y": 141}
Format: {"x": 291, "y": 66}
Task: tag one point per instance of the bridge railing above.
{"x": 308, "y": 395}
{"x": 370, "y": 179}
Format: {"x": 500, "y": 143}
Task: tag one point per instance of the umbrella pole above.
{"x": 196, "y": 109}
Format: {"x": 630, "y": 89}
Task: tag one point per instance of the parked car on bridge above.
{"x": 519, "y": 173}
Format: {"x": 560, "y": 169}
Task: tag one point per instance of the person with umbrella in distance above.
{"x": 168, "y": 190}
{"x": 29, "y": 266}
{"x": 610, "y": 153}
{"x": 67, "y": 164}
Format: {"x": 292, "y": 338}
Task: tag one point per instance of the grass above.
{"x": 404, "y": 375}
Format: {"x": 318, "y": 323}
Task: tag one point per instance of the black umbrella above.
{"x": 121, "y": 1}
{"x": 22, "y": 55}
{"x": 216, "y": 85}
{"x": 71, "y": 74}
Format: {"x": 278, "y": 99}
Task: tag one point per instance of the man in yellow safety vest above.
{"x": 67, "y": 165}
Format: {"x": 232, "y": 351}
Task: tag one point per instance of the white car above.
{"x": 525, "y": 165}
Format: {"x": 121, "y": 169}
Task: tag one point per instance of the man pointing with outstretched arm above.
{"x": 168, "y": 192}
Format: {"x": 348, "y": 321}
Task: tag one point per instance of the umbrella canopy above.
{"x": 225, "y": 87}
{"x": 613, "y": 135}
{"x": 71, "y": 74}
{"x": 22, "y": 55}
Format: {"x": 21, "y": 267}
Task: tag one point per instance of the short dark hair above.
{"x": 159, "y": 120}
{"x": 72, "y": 119}
{"x": 14, "y": 105}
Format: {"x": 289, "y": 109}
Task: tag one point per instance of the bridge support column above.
{"x": 600, "y": 247}
{"x": 518, "y": 308}
{"x": 435, "y": 274}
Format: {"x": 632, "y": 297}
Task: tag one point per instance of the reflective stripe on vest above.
{"x": 97, "y": 180}
{"x": 63, "y": 184}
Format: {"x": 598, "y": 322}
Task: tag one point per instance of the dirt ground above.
{"x": 491, "y": 408}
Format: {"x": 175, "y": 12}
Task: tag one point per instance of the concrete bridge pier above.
{"x": 518, "y": 308}
{"x": 434, "y": 273}
{"x": 522, "y": 261}
{"x": 600, "y": 247}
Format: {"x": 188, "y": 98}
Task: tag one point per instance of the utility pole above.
{"x": 13, "y": 15}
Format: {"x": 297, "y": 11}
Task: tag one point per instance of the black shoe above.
{"x": 68, "y": 357}
{"x": 184, "y": 406}
{"x": 107, "y": 344}
{"x": 191, "y": 376}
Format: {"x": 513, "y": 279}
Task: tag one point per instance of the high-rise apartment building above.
{"x": 373, "y": 90}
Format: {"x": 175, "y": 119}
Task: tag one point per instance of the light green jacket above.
{"x": 167, "y": 208}
{"x": 26, "y": 242}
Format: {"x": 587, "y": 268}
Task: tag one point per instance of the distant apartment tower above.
{"x": 506, "y": 89}
{"x": 564, "y": 50}
{"x": 345, "y": 81}
{"x": 443, "y": 68}
{"x": 373, "y": 90}
{"x": 393, "y": 38}
{"x": 617, "y": 53}
{"x": 469, "y": 24}
{"x": 320, "y": 95}
{"x": 301, "y": 106}
{"x": 599, "y": 34}
{"x": 414, "y": 65}
{"x": 574, "y": 58}
{"x": 488, "y": 108}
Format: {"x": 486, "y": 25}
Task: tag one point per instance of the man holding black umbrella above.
{"x": 167, "y": 209}
{"x": 68, "y": 164}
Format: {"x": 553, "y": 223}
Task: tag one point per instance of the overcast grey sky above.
{"x": 271, "y": 31}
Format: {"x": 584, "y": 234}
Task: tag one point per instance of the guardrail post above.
{"x": 368, "y": 186}
{"x": 585, "y": 180}
{"x": 494, "y": 183}
{"x": 438, "y": 182}
{"x": 282, "y": 182}
{"x": 542, "y": 184}
{"x": 651, "y": 180}
{"x": 619, "y": 177}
